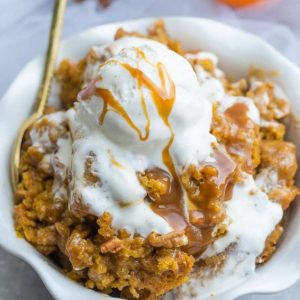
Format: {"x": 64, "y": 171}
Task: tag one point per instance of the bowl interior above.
{"x": 237, "y": 52}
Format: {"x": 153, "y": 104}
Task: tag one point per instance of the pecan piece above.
{"x": 114, "y": 245}
{"x": 173, "y": 239}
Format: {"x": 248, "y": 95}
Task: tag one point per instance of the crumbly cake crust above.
{"x": 90, "y": 251}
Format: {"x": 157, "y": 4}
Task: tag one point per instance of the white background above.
{"x": 24, "y": 26}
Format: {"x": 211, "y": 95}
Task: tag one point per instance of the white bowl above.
{"x": 237, "y": 51}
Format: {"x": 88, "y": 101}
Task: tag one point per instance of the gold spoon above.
{"x": 43, "y": 93}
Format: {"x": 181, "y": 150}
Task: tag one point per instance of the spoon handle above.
{"x": 42, "y": 96}
{"x": 53, "y": 45}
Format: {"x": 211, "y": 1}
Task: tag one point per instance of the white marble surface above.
{"x": 23, "y": 35}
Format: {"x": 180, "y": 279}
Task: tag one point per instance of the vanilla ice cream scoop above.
{"x": 142, "y": 109}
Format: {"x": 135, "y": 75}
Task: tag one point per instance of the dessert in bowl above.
{"x": 159, "y": 175}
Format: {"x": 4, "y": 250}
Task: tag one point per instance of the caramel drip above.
{"x": 105, "y": 108}
{"x": 128, "y": 204}
{"x": 163, "y": 102}
{"x": 225, "y": 166}
{"x": 142, "y": 55}
{"x": 173, "y": 209}
{"x": 213, "y": 191}
{"x": 114, "y": 162}
{"x": 243, "y": 130}
{"x": 171, "y": 205}
{"x": 145, "y": 110}
{"x": 109, "y": 100}
{"x": 238, "y": 114}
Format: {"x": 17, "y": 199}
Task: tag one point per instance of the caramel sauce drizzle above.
{"x": 171, "y": 207}
{"x": 163, "y": 101}
{"x": 114, "y": 162}
{"x": 109, "y": 100}
{"x": 224, "y": 178}
{"x": 237, "y": 116}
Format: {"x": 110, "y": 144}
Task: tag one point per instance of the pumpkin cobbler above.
{"x": 158, "y": 171}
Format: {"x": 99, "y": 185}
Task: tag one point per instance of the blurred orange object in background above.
{"x": 240, "y": 3}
